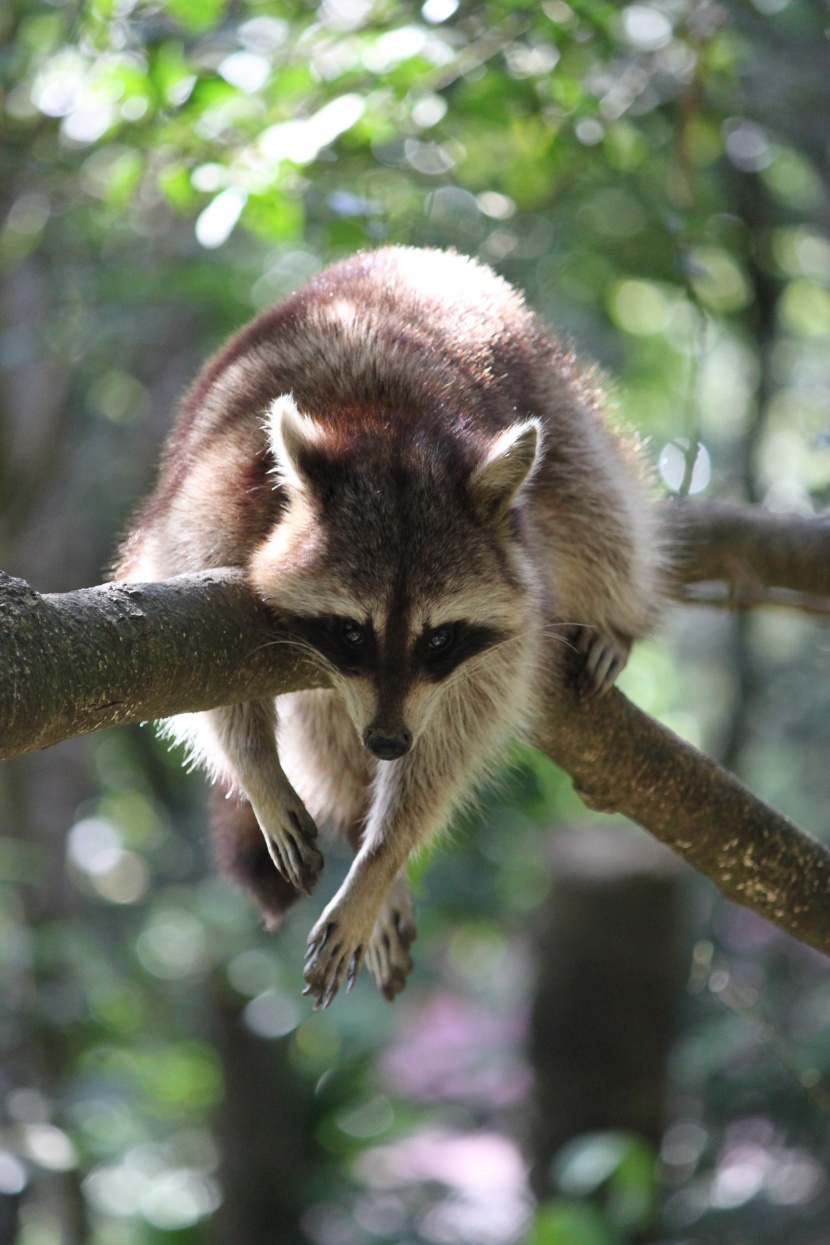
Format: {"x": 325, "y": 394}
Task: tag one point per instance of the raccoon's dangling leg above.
{"x": 242, "y": 853}
{"x": 330, "y": 767}
{"x": 412, "y": 798}
{"x": 387, "y": 953}
{"x": 246, "y": 735}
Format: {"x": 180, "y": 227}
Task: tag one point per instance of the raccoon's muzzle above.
{"x": 387, "y": 746}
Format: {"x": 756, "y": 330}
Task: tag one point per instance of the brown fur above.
{"x": 240, "y": 851}
{"x": 402, "y": 449}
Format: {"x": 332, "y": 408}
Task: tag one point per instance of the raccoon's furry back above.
{"x": 415, "y": 335}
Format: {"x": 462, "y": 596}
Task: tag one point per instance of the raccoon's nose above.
{"x": 387, "y": 746}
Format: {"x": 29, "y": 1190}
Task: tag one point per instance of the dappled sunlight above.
{"x": 752, "y": 1166}
{"x": 149, "y": 1184}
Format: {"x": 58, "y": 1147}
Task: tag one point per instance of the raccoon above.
{"x": 417, "y": 478}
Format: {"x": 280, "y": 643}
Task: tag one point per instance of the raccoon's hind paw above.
{"x": 387, "y": 956}
{"x": 601, "y": 658}
{"x": 291, "y": 837}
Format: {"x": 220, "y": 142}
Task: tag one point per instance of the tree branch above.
{"x": 747, "y": 547}
{"x": 130, "y": 652}
{"x": 623, "y": 761}
{"x": 119, "y": 653}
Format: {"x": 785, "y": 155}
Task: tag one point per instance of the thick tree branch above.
{"x": 128, "y": 652}
{"x": 121, "y": 653}
{"x": 623, "y": 761}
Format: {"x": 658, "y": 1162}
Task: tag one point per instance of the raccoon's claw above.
{"x": 329, "y": 958}
{"x": 387, "y": 956}
{"x": 291, "y": 846}
{"x": 346, "y": 933}
{"x": 601, "y": 659}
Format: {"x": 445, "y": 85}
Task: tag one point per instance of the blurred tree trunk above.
{"x": 265, "y": 1133}
{"x": 612, "y": 956}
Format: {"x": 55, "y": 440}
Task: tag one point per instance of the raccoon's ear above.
{"x": 508, "y": 464}
{"x": 294, "y": 439}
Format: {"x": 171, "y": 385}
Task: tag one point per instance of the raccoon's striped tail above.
{"x": 240, "y": 851}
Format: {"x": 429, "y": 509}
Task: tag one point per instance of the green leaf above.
{"x": 122, "y": 178}
{"x": 569, "y": 1223}
{"x": 274, "y": 216}
{"x": 174, "y": 184}
{"x": 195, "y": 16}
{"x": 619, "y": 1165}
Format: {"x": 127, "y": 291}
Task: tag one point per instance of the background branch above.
{"x": 747, "y": 547}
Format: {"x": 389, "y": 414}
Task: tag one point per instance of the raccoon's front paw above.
{"x": 387, "y": 956}
{"x": 335, "y": 953}
{"x": 291, "y": 837}
{"x": 601, "y": 658}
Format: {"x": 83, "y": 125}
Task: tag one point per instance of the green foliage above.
{"x": 608, "y": 1187}
{"x": 570, "y": 1223}
{"x": 619, "y": 1168}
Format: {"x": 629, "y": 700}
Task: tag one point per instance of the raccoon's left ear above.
{"x": 295, "y": 441}
{"x": 508, "y": 464}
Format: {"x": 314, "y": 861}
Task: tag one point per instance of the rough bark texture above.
{"x": 623, "y": 761}
{"x": 134, "y": 652}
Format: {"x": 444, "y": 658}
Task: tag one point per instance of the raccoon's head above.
{"x": 398, "y": 558}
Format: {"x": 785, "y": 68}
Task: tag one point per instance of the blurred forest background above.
{"x": 655, "y": 176}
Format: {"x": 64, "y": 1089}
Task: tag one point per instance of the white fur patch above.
{"x": 290, "y": 433}
{"x": 509, "y": 464}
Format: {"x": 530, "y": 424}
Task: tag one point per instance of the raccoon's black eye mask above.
{"x": 349, "y": 645}
{"x": 352, "y": 646}
{"x": 441, "y": 650}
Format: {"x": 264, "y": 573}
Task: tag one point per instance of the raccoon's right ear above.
{"x": 508, "y": 464}
{"x": 295, "y": 441}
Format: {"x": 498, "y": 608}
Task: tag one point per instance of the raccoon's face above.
{"x": 396, "y": 564}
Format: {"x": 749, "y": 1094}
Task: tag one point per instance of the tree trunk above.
{"x": 265, "y": 1132}
{"x": 612, "y": 955}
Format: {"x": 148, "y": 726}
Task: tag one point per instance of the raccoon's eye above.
{"x": 352, "y": 633}
{"x": 439, "y": 640}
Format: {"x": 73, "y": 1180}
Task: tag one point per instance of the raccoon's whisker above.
{"x": 549, "y": 632}
{"x": 471, "y": 665}
{"x": 568, "y": 625}
{"x": 559, "y": 639}
{"x": 301, "y": 647}
{"x": 290, "y": 641}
